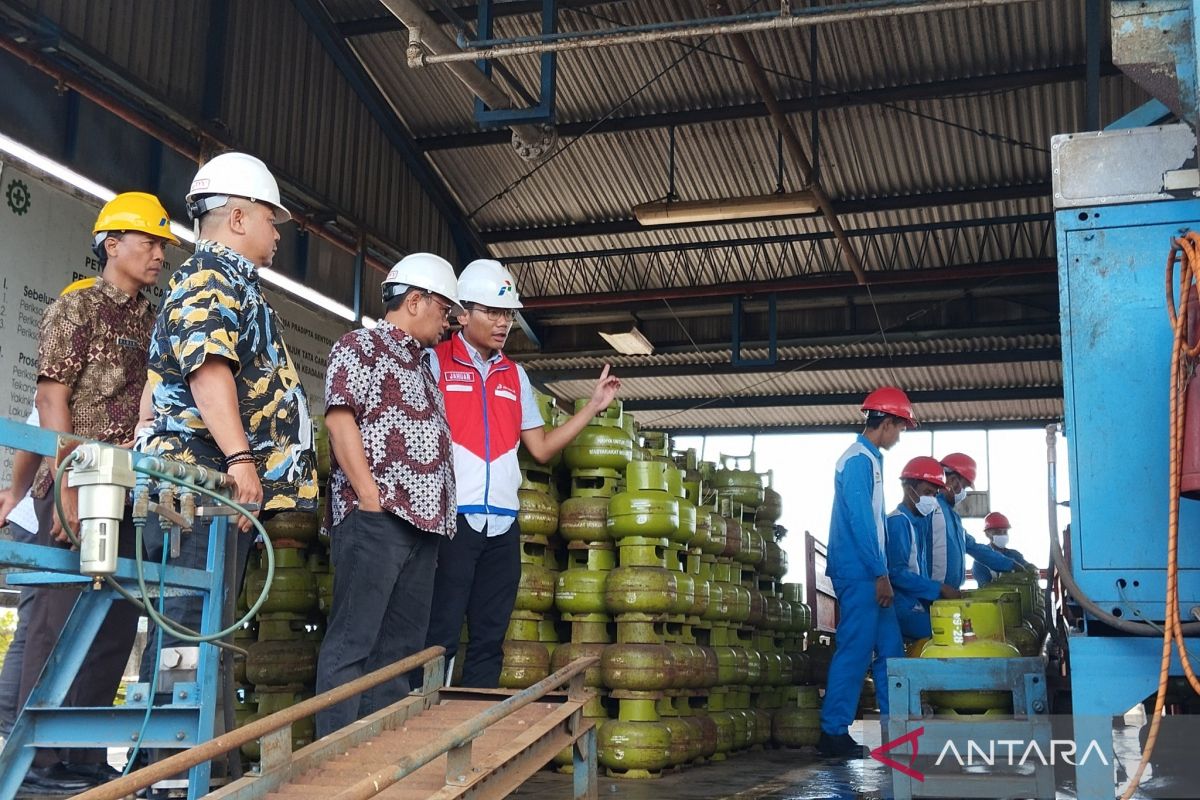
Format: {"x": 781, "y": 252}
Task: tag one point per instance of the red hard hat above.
{"x": 925, "y": 468}
{"x": 891, "y": 400}
{"x": 962, "y": 464}
{"x": 995, "y": 521}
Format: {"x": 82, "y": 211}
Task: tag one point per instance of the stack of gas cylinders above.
{"x": 667, "y": 569}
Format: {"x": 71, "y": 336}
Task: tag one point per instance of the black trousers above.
{"x": 100, "y": 675}
{"x": 477, "y": 578}
{"x": 382, "y": 587}
{"x": 10, "y": 673}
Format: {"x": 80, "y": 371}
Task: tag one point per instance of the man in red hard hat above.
{"x": 995, "y": 528}
{"x": 949, "y": 542}
{"x": 907, "y": 531}
{"x": 868, "y": 632}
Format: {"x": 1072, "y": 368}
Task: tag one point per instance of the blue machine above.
{"x": 188, "y": 719}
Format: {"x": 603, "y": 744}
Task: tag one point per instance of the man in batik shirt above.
{"x": 225, "y": 392}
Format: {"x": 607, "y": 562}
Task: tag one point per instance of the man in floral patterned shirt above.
{"x": 225, "y": 392}
{"x": 391, "y": 487}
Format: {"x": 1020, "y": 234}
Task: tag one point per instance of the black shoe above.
{"x": 52, "y": 781}
{"x": 95, "y": 774}
{"x": 840, "y": 746}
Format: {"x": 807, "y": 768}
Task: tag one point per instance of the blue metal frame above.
{"x": 543, "y": 112}
{"x": 1152, "y": 112}
{"x": 1025, "y": 678}
{"x": 189, "y": 717}
{"x": 772, "y": 338}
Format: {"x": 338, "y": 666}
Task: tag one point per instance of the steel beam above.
{"x": 584, "y": 230}
{"x": 846, "y": 427}
{"x": 1033, "y": 354}
{"x": 319, "y": 22}
{"x": 933, "y": 90}
{"x": 982, "y": 395}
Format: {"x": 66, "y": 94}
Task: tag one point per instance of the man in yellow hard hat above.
{"x": 92, "y": 355}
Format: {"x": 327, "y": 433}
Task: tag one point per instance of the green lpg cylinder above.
{"x": 322, "y": 572}
{"x": 701, "y": 588}
{"x": 774, "y": 561}
{"x": 636, "y": 744}
{"x": 1017, "y": 631}
{"x": 293, "y": 528}
{"x": 538, "y": 513}
{"x": 594, "y": 710}
{"x": 968, "y": 629}
{"x": 580, "y": 589}
{"x": 798, "y": 722}
{"x": 294, "y": 589}
{"x": 772, "y": 505}
{"x": 283, "y": 656}
{"x": 645, "y": 510}
{"x": 584, "y": 516}
{"x": 641, "y": 590}
{"x": 638, "y": 667}
{"x": 535, "y": 590}
{"x": 243, "y": 637}
{"x": 524, "y": 664}
{"x": 321, "y": 446}
{"x": 686, "y": 530}
{"x": 304, "y": 731}
{"x": 718, "y": 534}
{"x": 602, "y": 444}
{"x": 723, "y": 719}
{"x": 733, "y": 531}
{"x": 742, "y": 486}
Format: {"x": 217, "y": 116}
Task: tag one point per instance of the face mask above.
{"x": 926, "y": 505}
{"x": 962, "y": 495}
{"x": 1000, "y": 540}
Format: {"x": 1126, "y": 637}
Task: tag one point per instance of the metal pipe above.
{"x": 187, "y": 149}
{"x": 461, "y": 734}
{"x": 795, "y": 149}
{"x": 799, "y": 18}
{"x": 186, "y": 759}
{"x": 532, "y": 141}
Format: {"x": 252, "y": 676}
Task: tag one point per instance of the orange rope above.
{"x": 1186, "y": 252}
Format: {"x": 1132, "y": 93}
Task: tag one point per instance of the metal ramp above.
{"x": 438, "y": 743}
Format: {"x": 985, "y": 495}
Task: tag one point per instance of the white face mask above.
{"x": 1000, "y": 540}
{"x": 962, "y": 495}
{"x": 926, "y": 504}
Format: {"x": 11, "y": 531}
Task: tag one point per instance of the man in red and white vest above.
{"x": 491, "y": 410}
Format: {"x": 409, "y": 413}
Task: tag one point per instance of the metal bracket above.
{"x": 543, "y": 111}
{"x": 772, "y": 340}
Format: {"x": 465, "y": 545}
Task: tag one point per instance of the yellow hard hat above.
{"x": 135, "y": 211}
{"x": 82, "y": 283}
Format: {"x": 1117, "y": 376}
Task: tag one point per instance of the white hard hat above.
{"x": 234, "y": 175}
{"x": 488, "y": 283}
{"x": 423, "y": 271}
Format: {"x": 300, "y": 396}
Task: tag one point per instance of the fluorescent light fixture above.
{"x": 304, "y": 293}
{"x": 633, "y": 343}
{"x": 369, "y": 322}
{"x": 668, "y": 212}
{"x": 54, "y": 169}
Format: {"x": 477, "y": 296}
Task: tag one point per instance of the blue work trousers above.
{"x": 867, "y": 636}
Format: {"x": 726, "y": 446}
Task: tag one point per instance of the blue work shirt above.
{"x": 949, "y": 545}
{"x": 857, "y": 538}
{"x": 984, "y": 575}
{"x": 906, "y": 534}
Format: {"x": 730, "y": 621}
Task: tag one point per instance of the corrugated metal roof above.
{"x": 847, "y": 415}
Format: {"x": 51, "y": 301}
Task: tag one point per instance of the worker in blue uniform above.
{"x": 907, "y": 530}
{"x": 995, "y": 528}
{"x": 868, "y": 633}
{"x": 949, "y": 543}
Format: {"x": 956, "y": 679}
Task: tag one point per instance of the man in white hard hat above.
{"x": 225, "y": 392}
{"x": 491, "y": 409}
{"x": 391, "y": 487}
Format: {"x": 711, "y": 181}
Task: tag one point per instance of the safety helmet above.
{"x": 890, "y": 400}
{"x": 488, "y": 283}
{"x": 79, "y": 285}
{"x": 924, "y": 468}
{"x": 134, "y": 211}
{"x": 962, "y": 464}
{"x": 423, "y": 271}
{"x": 234, "y": 175}
{"x": 995, "y": 521}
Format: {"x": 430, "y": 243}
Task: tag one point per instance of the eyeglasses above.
{"x": 445, "y": 307}
{"x": 497, "y": 314}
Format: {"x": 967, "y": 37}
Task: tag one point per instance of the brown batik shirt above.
{"x": 95, "y": 342}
